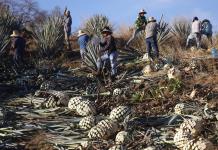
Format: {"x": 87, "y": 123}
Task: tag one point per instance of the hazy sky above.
{"x": 125, "y": 11}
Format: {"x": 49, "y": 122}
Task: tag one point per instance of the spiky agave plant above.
{"x": 8, "y": 23}
{"x": 91, "y": 56}
{"x": 49, "y": 35}
{"x": 180, "y": 30}
{"x": 95, "y": 24}
{"x": 163, "y": 36}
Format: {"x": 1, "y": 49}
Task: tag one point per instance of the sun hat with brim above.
{"x": 15, "y": 33}
{"x": 80, "y": 33}
{"x": 151, "y": 19}
{"x": 106, "y": 30}
{"x": 142, "y": 11}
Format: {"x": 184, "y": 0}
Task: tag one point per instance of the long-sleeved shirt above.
{"x": 151, "y": 29}
{"x": 67, "y": 24}
{"x": 108, "y": 44}
{"x": 196, "y": 26}
{"x": 83, "y": 40}
{"x": 140, "y": 22}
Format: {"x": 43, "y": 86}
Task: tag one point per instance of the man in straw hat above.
{"x": 67, "y": 27}
{"x": 151, "y": 31}
{"x": 140, "y": 24}
{"x": 108, "y": 51}
{"x": 18, "y": 45}
{"x": 83, "y": 39}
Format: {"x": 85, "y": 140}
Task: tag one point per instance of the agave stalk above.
{"x": 95, "y": 24}
{"x": 91, "y": 56}
{"x": 49, "y": 35}
{"x": 181, "y": 30}
{"x": 163, "y": 36}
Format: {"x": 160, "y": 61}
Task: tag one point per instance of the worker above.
{"x": 140, "y": 24}
{"x": 83, "y": 39}
{"x": 18, "y": 45}
{"x": 67, "y": 27}
{"x": 151, "y": 31}
{"x": 195, "y": 33}
{"x": 108, "y": 51}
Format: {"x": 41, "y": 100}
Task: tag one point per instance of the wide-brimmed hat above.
{"x": 15, "y": 33}
{"x": 108, "y": 30}
{"x": 142, "y": 11}
{"x": 80, "y": 33}
{"x": 151, "y": 19}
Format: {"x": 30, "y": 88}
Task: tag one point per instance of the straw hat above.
{"x": 15, "y": 33}
{"x": 106, "y": 30}
{"x": 80, "y": 33}
{"x": 151, "y": 19}
{"x": 142, "y": 11}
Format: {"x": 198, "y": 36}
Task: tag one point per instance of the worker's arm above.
{"x": 65, "y": 11}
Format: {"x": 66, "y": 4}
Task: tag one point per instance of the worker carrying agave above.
{"x": 18, "y": 45}
{"x": 195, "y": 33}
{"x": 83, "y": 39}
{"x": 151, "y": 32}
{"x": 108, "y": 51}
{"x": 140, "y": 24}
{"x": 67, "y": 27}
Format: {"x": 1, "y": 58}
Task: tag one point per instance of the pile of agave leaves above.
{"x": 26, "y": 124}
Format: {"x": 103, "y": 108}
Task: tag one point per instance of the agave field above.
{"x": 54, "y": 103}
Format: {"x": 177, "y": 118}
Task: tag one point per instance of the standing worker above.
{"x": 195, "y": 33}
{"x": 140, "y": 24}
{"x": 207, "y": 30}
{"x": 108, "y": 51}
{"x": 67, "y": 27}
{"x": 151, "y": 31}
{"x": 83, "y": 39}
{"x": 18, "y": 45}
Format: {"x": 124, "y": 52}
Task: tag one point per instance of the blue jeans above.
{"x": 151, "y": 42}
{"x": 82, "y": 53}
{"x": 113, "y": 61}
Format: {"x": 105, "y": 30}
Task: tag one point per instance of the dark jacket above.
{"x": 18, "y": 44}
{"x": 108, "y": 44}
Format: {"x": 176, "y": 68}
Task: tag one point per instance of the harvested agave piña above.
{"x": 86, "y": 108}
{"x": 48, "y": 85}
{"x": 120, "y": 113}
{"x": 87, "y": 122}
{"x": 122, "y": 137}
{"x": 181, "y": 138}
{"x": 91, "y": 89}
{"x": 117, "y": 147}
{"x": 103, "y": 129}
{"x": 74, "y": 102}
{"x": 117, "y": 92}
{"x": 198, "y": 144}
{"x": 193, "y": 127}
{"x": 183, "y": 108}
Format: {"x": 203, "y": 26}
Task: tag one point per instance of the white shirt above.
{"x": 196, "y": 26}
